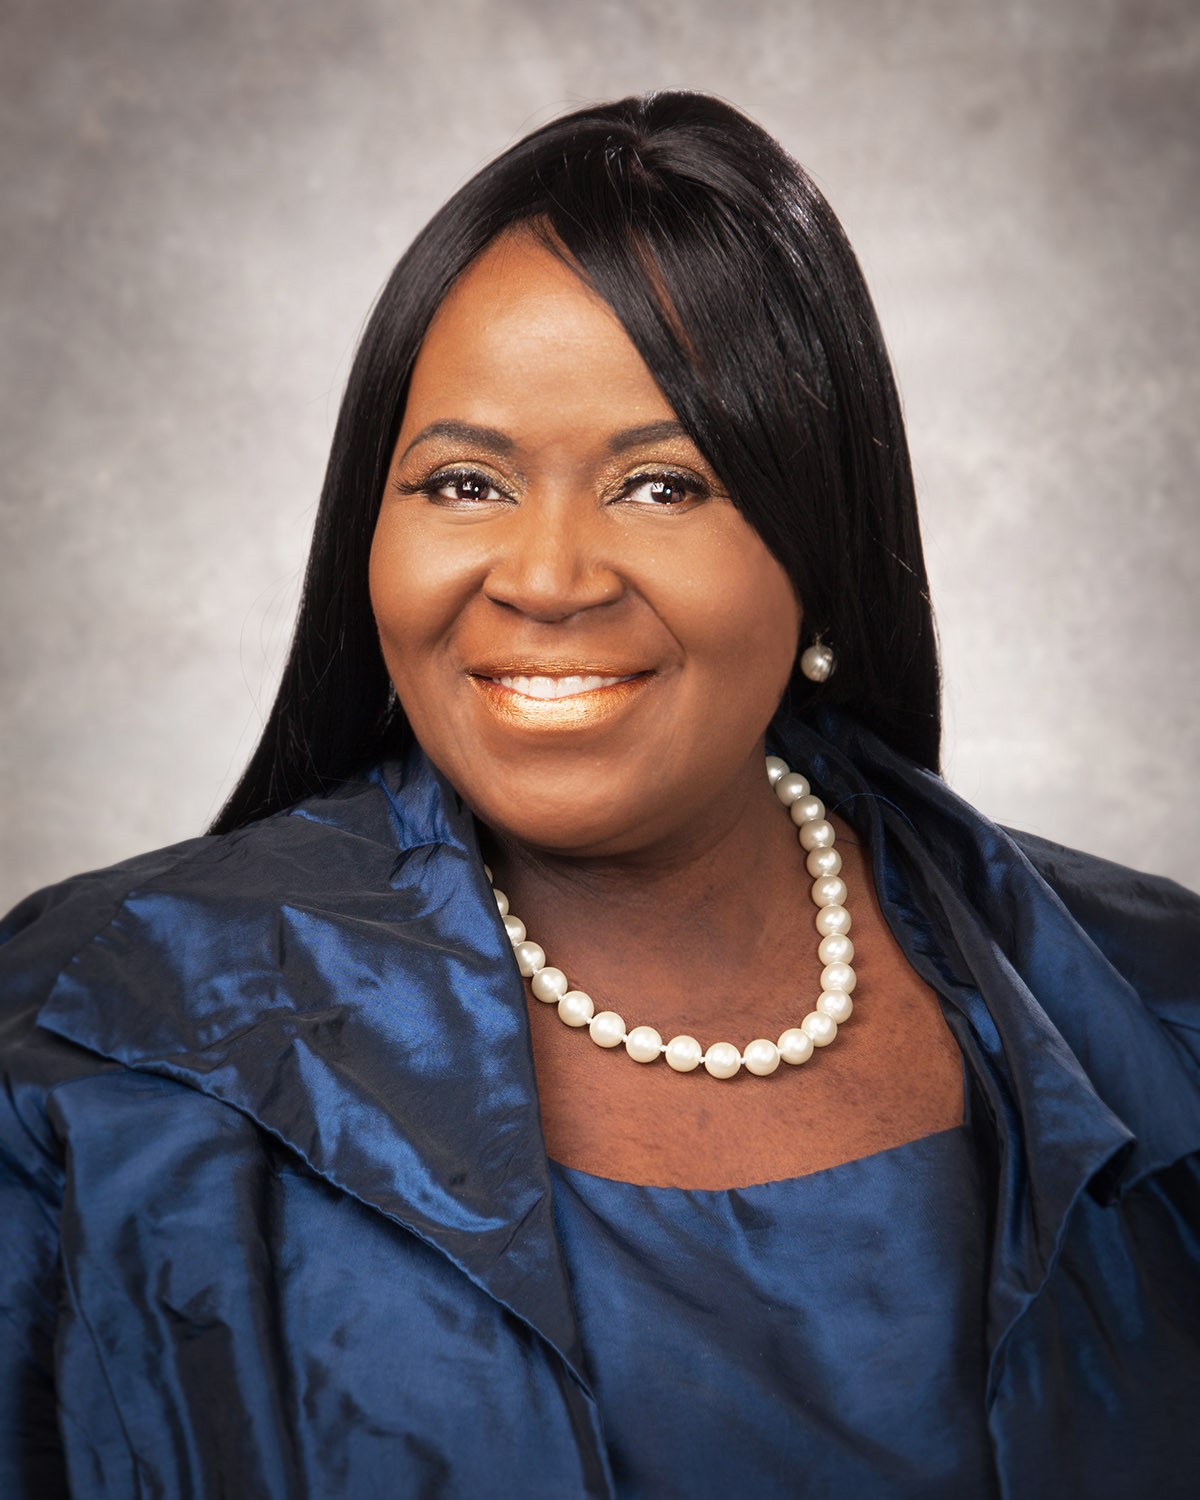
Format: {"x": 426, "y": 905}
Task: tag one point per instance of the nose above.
{"x": 554, "y": 560}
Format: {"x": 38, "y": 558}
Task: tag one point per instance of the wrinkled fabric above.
{"x": 275, "y": 1210}
{"x": 818, "y": 1335}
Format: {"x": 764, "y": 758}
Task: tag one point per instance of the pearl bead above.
{"x": 684, "y": 1053}
{"x": 775, "y": 769}
{"x": 818, "y": 835}
{"x": 836, "y": 1004}
{"x": 791, "y": 786}
{"x": 838, "y": 977}
{"x": 501, "y": 902}
{"x": 761, "y": 1057}
{"x": 806, "y": 810}
{"x": 515, "y": 929}
{"x": 576, "y": 1008}
{"x": 823, "y": 862}
{"x": 829, "y": 890}
{"x": 833, "y": 919}
{"x": 607, "y": 1029}
{"x": 643, "y": 1044}
{"x": 820, "y": 1027}
{"x": 722, "y": 1060}
{"x": 549, "y": 985}
{"x": 487, "y": 870}
{"x": 817, "y": 662}
{"x": 530, "y": 957}
{"x": 795, "y": 1046}
{"x": 835, "y": 949}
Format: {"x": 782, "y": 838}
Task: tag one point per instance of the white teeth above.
{"x": 556, "y": 687}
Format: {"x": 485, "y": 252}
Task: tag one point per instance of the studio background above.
{"x": 201, "y": 201}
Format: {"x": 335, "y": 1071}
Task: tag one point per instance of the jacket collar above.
{"x": 1082, "y": 1085}
{"x": 310, "y": 971}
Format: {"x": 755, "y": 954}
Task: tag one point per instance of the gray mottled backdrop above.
{"x": 201, "y": 199}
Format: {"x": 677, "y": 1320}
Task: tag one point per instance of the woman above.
{"x": 881, "y": 1179}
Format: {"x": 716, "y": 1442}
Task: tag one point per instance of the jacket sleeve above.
{"x": 31, "y": 1457}
{"x": 37, "y": 940}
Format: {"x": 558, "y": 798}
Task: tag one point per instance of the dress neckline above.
{"x": 941, "y": 1137}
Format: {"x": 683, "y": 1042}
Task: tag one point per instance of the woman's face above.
{"x": 587, "y": 637}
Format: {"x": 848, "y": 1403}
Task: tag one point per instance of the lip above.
{"x": 607, "y": 693}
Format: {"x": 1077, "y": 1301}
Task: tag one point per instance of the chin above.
{"x": 574, "y": 834}
{"x": 581, "y": 826}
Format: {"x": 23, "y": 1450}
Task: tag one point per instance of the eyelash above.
{"x": 443, "y": 477}
{"x": 696, "y": 488}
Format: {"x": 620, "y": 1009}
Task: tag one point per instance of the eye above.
{"x": 463, "y": 487}
{"x": 664, "y": 490}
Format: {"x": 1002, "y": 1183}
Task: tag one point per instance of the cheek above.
{"x": 746, "y": 611}
{"x": 416, "y": 590}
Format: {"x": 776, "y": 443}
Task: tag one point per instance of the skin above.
{"x": 581, "y": 531}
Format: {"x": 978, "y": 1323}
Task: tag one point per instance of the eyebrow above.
{"x": 463, "y": 432}
{"x": 652, "y": 432}
{"x": 500, "y": 442}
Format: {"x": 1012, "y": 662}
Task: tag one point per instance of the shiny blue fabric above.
{"x": 275, "y": 1211}
{"x": 816, "y": 1336}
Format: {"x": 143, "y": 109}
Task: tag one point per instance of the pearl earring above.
{"x": 818, "y": 662}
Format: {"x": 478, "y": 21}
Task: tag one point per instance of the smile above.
{"x": 546, "y": 688}
{"x": 574, "y": 700}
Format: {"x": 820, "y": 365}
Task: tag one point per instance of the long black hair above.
{"x": 739, "y": 289}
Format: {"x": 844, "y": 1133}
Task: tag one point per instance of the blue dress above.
{"x": 821, "y": 1335}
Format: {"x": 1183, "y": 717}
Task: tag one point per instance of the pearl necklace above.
{"x": 723, "y": 1059}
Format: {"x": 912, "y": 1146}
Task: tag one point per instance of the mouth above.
{"x": 557, "y": 698}
{"x": 548, "y": 688}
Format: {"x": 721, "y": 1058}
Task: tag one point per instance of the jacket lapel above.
{"x": 1084, "y": 1088}
{"x": 310, "y": 971}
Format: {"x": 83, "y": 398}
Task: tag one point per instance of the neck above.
{"x": 709, "y": 898}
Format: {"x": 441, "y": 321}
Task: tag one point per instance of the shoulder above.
{"x": 1106, "y": 896}
{"x": 40, "y": 940}
{"x": 1146, "y": 926}
{"x": 236, "y": 874}
{"x": 153, "y": 934}
{"x": 1110, "y": 955}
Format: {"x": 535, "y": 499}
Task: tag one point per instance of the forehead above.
{"x": 520, "y": 328}
{"x": 519, "y": 279}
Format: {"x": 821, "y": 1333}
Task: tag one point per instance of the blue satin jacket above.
{"x": 274, "y": 1202}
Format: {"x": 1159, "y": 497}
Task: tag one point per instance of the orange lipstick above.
{"x": 541, "y": 700}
